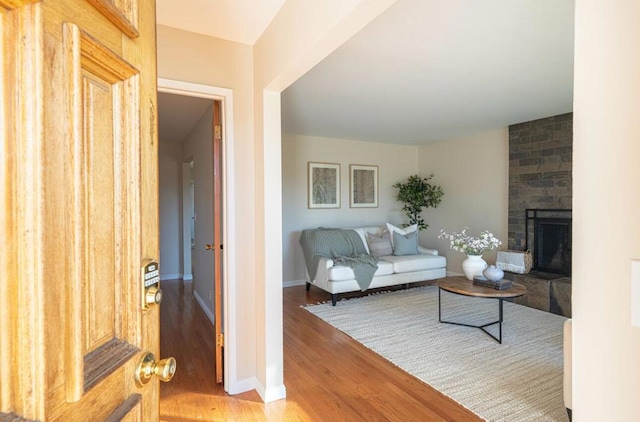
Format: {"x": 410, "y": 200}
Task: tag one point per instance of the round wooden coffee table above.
{"x": 462, "y": 286}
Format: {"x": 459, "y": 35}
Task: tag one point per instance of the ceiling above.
{"x": 242, "y": 21}
{"x": 425, "y": 70}
{"x": 178, "y": 114}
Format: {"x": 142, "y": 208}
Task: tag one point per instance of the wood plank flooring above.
{"x": 329, "y": 376}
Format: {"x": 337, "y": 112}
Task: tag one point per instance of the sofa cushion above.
{"x": 405, "y": 244}
{"x": 379, "y": 245}
{"x": 410, "y": 263}
{"x": 340, "y": 272}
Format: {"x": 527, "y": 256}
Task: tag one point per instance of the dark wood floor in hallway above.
{"x": 328, "y": 375}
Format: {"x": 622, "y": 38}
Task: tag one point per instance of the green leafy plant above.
{"x": 418, "y": 194}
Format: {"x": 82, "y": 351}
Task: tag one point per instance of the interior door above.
{"x": 80, "y": 209}
{"x": 217, "y": 234}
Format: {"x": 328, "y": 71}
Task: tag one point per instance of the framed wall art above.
{"x": 363, "y": 186}
{"x": 323, "y": 185}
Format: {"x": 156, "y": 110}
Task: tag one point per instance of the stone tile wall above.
{"x": 540, "y": 164}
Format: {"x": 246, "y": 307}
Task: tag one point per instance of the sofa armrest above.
{"x": 322, "y": 274}
{"x": 427, "y": 251}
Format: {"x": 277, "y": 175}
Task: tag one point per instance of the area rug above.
{"x": 518, "y": 380}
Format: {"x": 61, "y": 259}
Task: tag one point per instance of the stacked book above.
{"x": 498, "y": 285}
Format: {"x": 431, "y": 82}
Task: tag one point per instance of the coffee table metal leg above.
{"x": 482, "y": 327}
{"x": 500, "y": 325}
{"x": 439, "y": 307}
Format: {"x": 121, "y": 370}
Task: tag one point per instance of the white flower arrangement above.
{"x": 462, "y": 242}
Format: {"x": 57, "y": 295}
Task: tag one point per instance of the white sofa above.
{"x": 392, "y": 270}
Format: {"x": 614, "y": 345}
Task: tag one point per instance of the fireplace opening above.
{"x": 548, "y": 236}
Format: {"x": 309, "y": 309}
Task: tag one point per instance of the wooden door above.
{"x": 217, "y": 234}
{"x": 79, "y": 210}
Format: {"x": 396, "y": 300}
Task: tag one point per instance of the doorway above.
{"x": 188, "y": 219}
{"x": 190, "y": 210}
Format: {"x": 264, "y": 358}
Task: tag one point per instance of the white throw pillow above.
{"x": 398, "y": 230}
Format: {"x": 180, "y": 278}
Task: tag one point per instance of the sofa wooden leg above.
{"x": 569, "y": 413}
{"x": 308, "y": 286}
{"x": 334, "y": 299}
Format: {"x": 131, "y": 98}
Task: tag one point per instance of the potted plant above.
{"x": 417, "y": 194}
{"x": 473, "y": 247}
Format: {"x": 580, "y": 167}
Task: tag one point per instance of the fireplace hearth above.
{"x": 548, "y": 236}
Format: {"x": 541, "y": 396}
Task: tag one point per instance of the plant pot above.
{"x": 473, "y": 266}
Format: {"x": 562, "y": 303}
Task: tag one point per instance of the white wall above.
{"x": 474, "y": 174}
{"x": 302, "y": 34}
{"x": 395, "y": 163}
{"x": 606, "y": 206}
{"x": 169, "y": 168}
{"x": 190, "y": 57}
{"x": 198, "y": 147}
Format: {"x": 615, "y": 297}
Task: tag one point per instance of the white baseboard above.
{"x": 187, "y": 277}
{"x": 452, "y": 274}
{"x": 293, "y": 283}
{"x": 204, "y": 307}
{"x": 170, "y": 276}
{"x": 242, "y": 386}
{"x": 271, "y": 394}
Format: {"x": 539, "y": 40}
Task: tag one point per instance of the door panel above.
{"x": 122, "y": 13}
{"x": 129, "y": 411}
{"x": 80, "y": 205}
{"x": 101, "y": 285}
{"x": 102, "y": 95}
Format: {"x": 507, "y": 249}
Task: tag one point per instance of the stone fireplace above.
{"x": 540, "y": 169}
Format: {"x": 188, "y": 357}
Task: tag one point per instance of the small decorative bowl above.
{"x": 493, "y": 273}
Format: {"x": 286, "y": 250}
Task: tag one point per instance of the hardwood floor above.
{"x": 329, "y": 376}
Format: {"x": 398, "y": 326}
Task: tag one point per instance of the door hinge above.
{"x": 220, "y": 341}
{"x": 217, "y": 132}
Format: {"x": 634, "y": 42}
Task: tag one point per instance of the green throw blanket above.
{"x": 345, "y": 247}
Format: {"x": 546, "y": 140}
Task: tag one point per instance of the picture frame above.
{"x": 323, "y": 185}
{"x": 363, "y": 186}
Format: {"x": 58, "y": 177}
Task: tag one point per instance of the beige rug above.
{"x": 518, "y": 380}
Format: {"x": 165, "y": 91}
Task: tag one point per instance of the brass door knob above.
{"x": 153, "y": 296}
{"x": 209, "y": 247}
{"x": 164, "y": 369}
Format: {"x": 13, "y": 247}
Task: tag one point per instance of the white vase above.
{"x": 473, "y": 266}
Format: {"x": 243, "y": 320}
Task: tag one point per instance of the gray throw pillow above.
{"x": 405, "y": 244}
{"x": 380, "y": 245}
